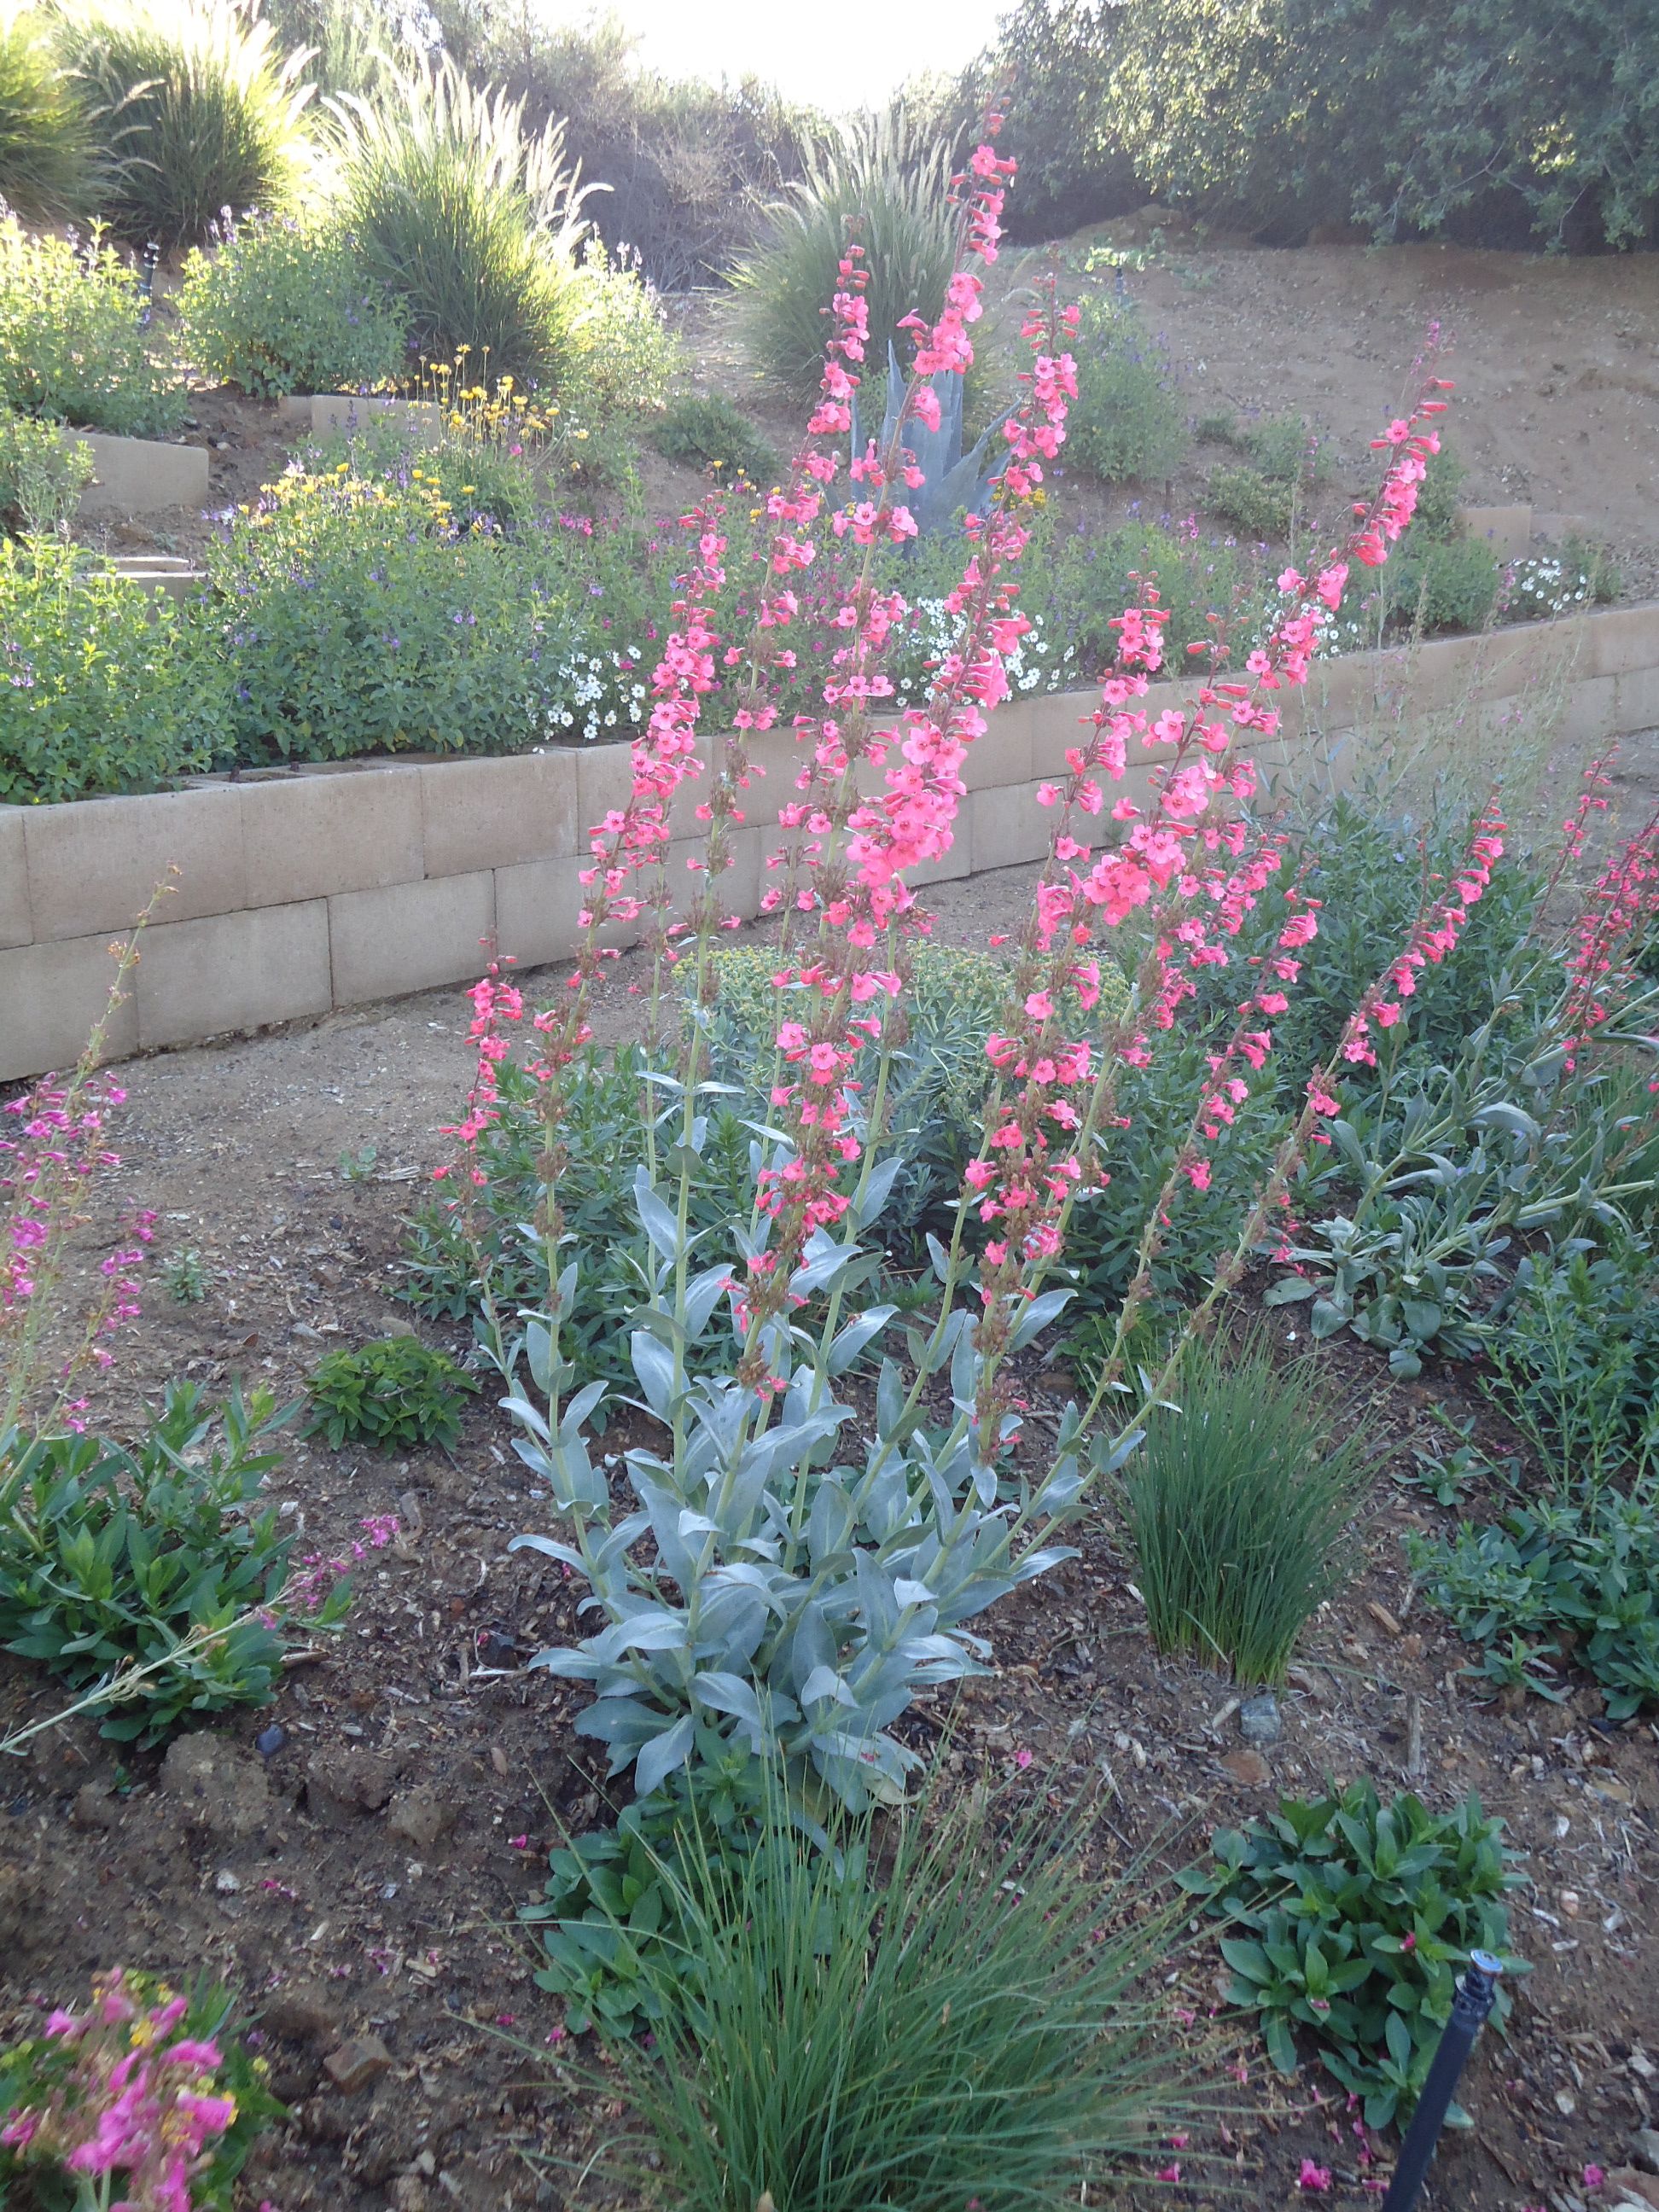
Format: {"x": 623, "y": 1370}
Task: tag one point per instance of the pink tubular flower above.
{"x": 1316, "y": 2179}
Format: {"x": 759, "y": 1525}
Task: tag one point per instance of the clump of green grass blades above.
{"x": 1237, "y": 1504}
{"x": 969, "y": 2030}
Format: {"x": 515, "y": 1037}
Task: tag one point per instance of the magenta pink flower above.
{"x": 1313, "y": 2176}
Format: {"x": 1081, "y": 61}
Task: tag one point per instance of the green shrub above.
{"x": 278, "y": 306}
{"x": 886, "y": 177}
{"x": 1256, "y": 505}
{"x": 72, "y": 349}
{"x": 42, "y": 474}
{"x": 972, "y": 2029}
{"x": 1441, "y": 584}
{"x": 97, "y": 694}
{"x": 1349, "y": 1919}
{"x": 1124, "y": 424}
{"x": 469, "y": 222}
{"x": 49, "y": 166}
{"x": 1239, "y": 1507}
{"x": 110, "y": 1558}
{"x": 206, "y": 113}
{"x": 353, "y": 614}
{"x": 396, "y": 1394}
{"x": 706, "y": 431}
{"x": 617, "y": 1947}
{"x": 623, "y": 356}
{"x": 1092, "y": 576}
{"x": 1438, "y": 495}
{"x": 1575, "y": 1361}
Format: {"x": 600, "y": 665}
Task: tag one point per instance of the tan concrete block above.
{"x": 318, "y": 414}
{"x": 1590, "y": 714}
{"x": 141, "y": 475}
{"x": 1622, "y": 639}
{"x": 1507, "y": 530}
{"x": 95, "y": 864}
{"x": 1636, "y": 700}
{"x": 50, "y": 997}
{"x": 1008, "y": 828}
{"x": 1059, "y": 721}
{"x": 604, "y": 784}
{"x": 780, "y": 754}
{"x": 496, "y": 813}
{"x": 233, "y": 971}
{"x": 408, "y": 937}
{"x": 959, "y": 860}
{"x": 1003, "y": 755}
{"x": 311, "y": 836}
{"x": 536, "y": 904}
{"x": 16, "y": 925}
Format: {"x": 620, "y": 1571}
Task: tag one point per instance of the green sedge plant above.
{"x": 1239, "y": 1507}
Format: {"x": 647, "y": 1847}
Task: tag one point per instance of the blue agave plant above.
{"x": 952, "y": 480}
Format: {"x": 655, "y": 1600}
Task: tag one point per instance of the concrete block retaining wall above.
{"x": 298, "y": 892}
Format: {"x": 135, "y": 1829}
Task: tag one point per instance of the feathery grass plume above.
{"x": 203, "y": 109}
{"x": 890, "y": 182}
{"x": 49, "y": 163}
{"x": 1237, "y": 1504}
{"x": 470, "y": 219}
{"x": 969, "y": 2027}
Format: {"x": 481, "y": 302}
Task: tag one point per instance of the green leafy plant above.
{"x": 275, "y": 306}
{"x": 97, "y": 691}
{"x": 1582, "y": 1571}
{"x": 206, "y": 112}
{"x": 351, "y": 614}
{"x": 152, "y": 1556}
{"x": 42, "y": 474}
{"x": 396, "y": 1394}
{"x": 1125, "y": 424}
{"x": 623, "y": 357}
{"x": 469, "y": 220}
{"x": 49, "y": 163}
{"x": 1254, "y": 503}
{"x": 1442, "y": 584}
{"x": 963, "y": 2022}
{"x": 1575, "y": 1361}
{"x": 618, "y": 1949}
{"x": 185, "y": 1277}
{"x": 1348, "y": 1919}
{"x": 885, "y": 175}
{"x": 708, "y": 432}
{"x": 1238, "y": 1505}
{"x": 72, "y": 347}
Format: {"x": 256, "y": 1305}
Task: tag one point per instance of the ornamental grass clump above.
{"x": 1239, "y": 1505}
{"x": 943, "y": 2017}
{"x": 50, "y": 163}
{"x": 884, "y": 177}
{"x": 469, "y": 220}
{"x": 204, "y": 110}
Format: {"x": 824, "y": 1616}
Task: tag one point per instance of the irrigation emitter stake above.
{"x": 1477, "y": 1991}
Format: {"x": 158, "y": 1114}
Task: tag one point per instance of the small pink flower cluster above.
{"x": 318, "y": 1572}
{"x": 1621, "y": 906}
{"x": 139, "y": 2102}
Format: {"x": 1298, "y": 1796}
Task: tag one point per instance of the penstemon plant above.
{"x": 799, "y": 1556}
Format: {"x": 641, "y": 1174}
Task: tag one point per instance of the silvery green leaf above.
{"x": 659, "y": 1758}
{"x": 1502, "y": 1115}
{"x": 568, "y": 1285}
{"x": 578, "y": 1666}
{"x": 703, "y": 1295}
{"x": 581, "y": 1406}
{"x": 1039, "y": 1562}
{"x": 877, "y": 1191}
{"x": 825, "y": 1260}
{"x": 889, "y": 1398}
{"x": 852, "y": 1340}
{"x": 940, "y": 1256}
{"x": 964, "y": 1370}
{"x": 1037, "y": 1317}
{"x": 524, "y": 1412}
{"x": 650, "y": 1631}
{"x": 655, "y": 1218}
{"x": 539, "y": 1353}
{"x": 548, "y": 1549}
{"x": 912, "y": 1593}
{"x": 825, "y": 1682}
{"x": 1107, "y": 1457}
{"x": 654, "y": 1366}
{"x": 729, "y": 1694}
{"x": 1288, "y": 1290}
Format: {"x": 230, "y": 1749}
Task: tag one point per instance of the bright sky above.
{"x": 851, "y": 56}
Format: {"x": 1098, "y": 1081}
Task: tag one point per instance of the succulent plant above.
{"x": 951, "y": 480}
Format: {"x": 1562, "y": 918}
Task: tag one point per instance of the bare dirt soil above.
{"x": 358, "y": 1878}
